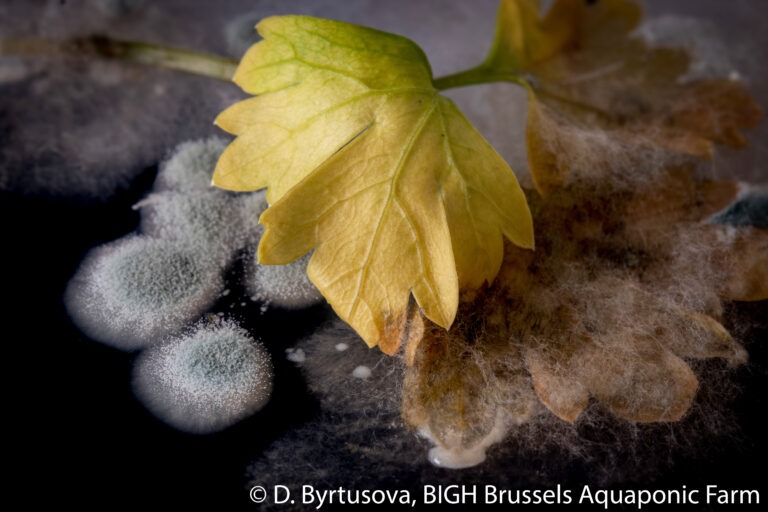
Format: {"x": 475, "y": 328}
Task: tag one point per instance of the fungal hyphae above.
{"x": 285, "y": 286}
{"x": 151, "y": 286}
{"x": 190, "y": 165}
{"x": 132, "y": 292}
{"x": 205, "y": 380}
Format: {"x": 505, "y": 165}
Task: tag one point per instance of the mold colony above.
{"x": 149, "y": 289}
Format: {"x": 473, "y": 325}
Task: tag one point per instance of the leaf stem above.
{"x": 221, "y": 68}
{"x": 198, "y": 63}
{"x": 482, "y": 74}
{"x": 213, "y": 66}
{"x": 485, "y": 74}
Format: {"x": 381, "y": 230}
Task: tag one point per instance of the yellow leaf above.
{"x": 368, "y": 165}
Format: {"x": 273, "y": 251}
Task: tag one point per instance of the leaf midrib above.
{"x": 391, "y": 197}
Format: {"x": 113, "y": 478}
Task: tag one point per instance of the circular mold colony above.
{"x": 206, "y": 380}
{"x": 136, "y": 290}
